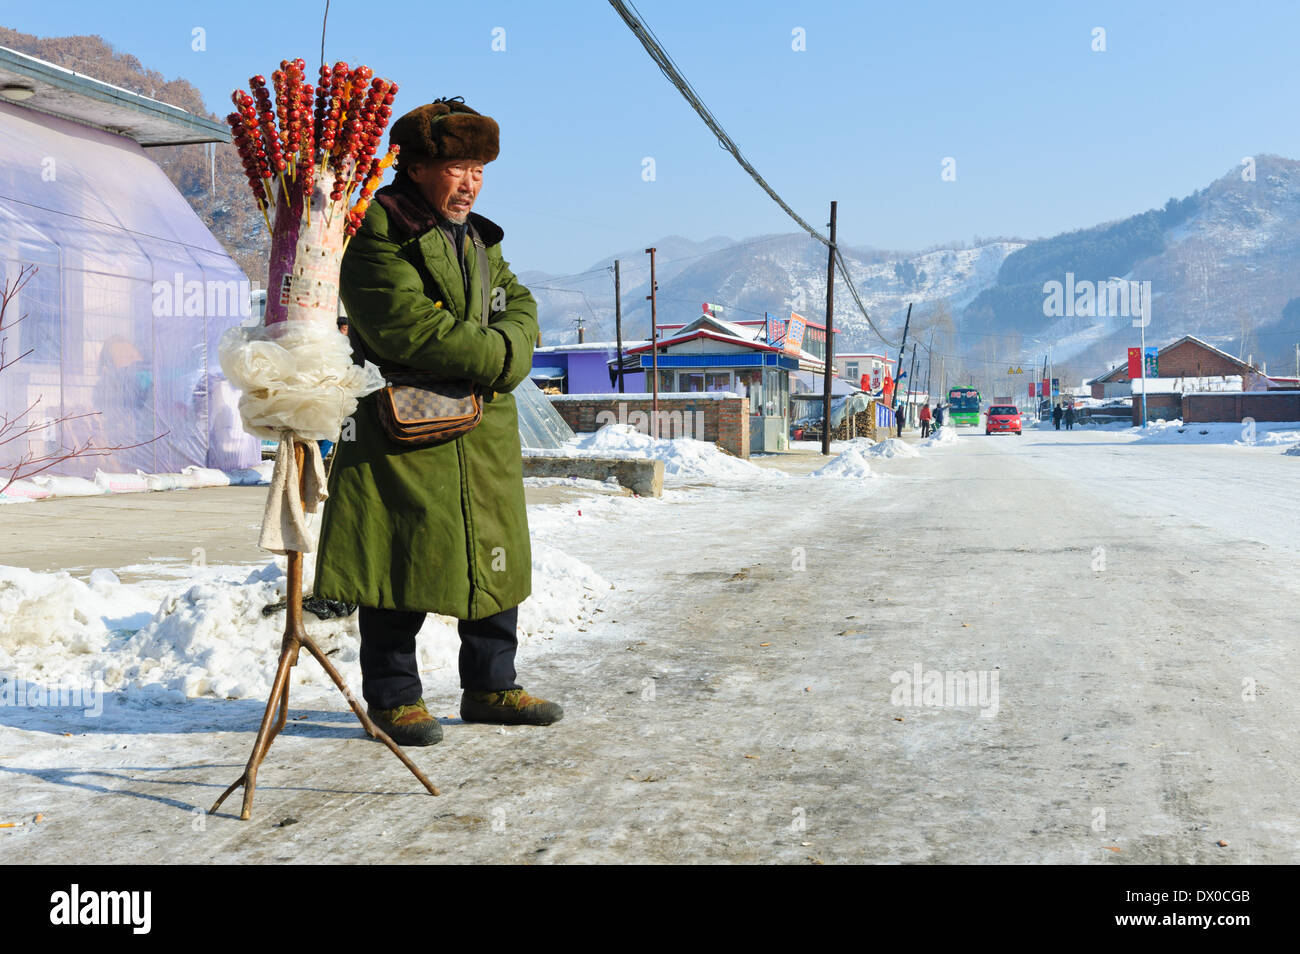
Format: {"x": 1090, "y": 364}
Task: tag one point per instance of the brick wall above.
{"x": 722, "y": 421}
{"x": 1237, "y": 406}
{"x": 1166, "y": 406}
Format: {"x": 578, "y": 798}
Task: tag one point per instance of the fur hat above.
{"x": 445, "y": 129}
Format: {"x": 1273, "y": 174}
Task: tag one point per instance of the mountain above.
{"x": 1221, "y": 263}
{"x": 773, "y": 273}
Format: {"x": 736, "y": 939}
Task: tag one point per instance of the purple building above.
{"x": 586, "y": 368}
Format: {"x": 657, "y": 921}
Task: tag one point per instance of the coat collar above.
{"x": 410, "y": 215}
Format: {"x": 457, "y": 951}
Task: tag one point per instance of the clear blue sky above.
{"x": 1047, "y": 134}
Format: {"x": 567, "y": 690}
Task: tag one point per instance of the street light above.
{"x": 1142, "y": 353}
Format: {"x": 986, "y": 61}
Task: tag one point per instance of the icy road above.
{"x": 1064, "y": 647}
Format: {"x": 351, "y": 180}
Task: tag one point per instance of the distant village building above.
{"x": 712, "y": 354}
{"x": 589, "y": 367}
{"x": 853, "y": 366}
{"x": 132, "y": 291}
{"x": 1187, "y": 367}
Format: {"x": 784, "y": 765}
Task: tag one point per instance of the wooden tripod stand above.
{"x": 295, "y": 637}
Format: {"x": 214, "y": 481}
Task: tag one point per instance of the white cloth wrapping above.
{"x": 298, "y": 381}
{"x": 297, "y": 375}
{"x": 284, "y": 524}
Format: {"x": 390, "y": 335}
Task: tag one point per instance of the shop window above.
{"x": 749, "y": 382}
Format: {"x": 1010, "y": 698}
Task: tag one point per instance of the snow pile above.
{"x": 1240, "y": 434}
{"x": 889, "y": 448}
{"x": 941, "y": 437}
{"x": 684, "y": 458}
{"x": 205, "y": 634}
{"x": 851, "y": 465}
{"x": 44, "y": 486}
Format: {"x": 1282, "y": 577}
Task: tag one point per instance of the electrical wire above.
{"x": 664, "y": 61}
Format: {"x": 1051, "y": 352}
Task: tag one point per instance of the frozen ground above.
{"x": 731, "y": 658}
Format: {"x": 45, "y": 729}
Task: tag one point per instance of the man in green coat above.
{"x": 443, "y": 529}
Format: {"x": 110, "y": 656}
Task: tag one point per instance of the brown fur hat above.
{"x": 446, "y": 129}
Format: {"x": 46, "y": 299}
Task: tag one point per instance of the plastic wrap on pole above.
{"x": 296, "y": 370}
{"x": 297, "y": 376}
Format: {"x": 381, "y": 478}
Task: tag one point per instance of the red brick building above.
{"x": 1189, "y": 365}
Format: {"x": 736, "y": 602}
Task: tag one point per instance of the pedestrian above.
{"x": 409, "y": 531}
{"x": 1069, "y": 417}
{"x": 1056, "y": 417}
{"x": 925, "y": 420}
{"x": 938, "y": 416}
{"x": 900, "y": 412}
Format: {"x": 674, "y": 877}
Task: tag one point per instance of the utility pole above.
{"x": 830, "y": 343}
{"x": 618, "y": 324}
{"x": 911, "y": 376}
{"x": 902, "y": 349}
{"x": 1144, "y": 367}
{"x": 929, "y": 365}
{"x": 654, "y": 349}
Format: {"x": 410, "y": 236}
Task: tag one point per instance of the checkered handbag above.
{"x": 419, "y": 409}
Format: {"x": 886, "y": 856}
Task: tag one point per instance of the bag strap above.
{"x": 484, "y": 277}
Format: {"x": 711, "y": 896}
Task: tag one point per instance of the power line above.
{"x": 642, "y": 32}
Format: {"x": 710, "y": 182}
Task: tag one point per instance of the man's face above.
{"x": 450, "y": 185}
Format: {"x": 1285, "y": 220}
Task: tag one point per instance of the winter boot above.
{"x": 511, "y": 707}
{"x": 408, "y": 725}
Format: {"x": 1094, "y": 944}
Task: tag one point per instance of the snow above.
{"x": 943, "y": 437}
{"x": 43, "y": 487}
{"x": 685, "y": 459}
{"x": 889, "y": 448}
{"x": 851, "y": 464}
{"x": 1266, "y": 434}
{"x": 200, "y": 632}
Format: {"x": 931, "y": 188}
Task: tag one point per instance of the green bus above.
{"x": 964, "y": 406}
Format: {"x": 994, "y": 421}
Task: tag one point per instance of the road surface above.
{"x": 1128, "y": 610}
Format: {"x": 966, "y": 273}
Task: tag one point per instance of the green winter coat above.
{"x": 436, "y": 529}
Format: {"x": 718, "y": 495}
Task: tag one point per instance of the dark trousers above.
{"x": 390, "y": 676}
{"x": 925, "y": 428}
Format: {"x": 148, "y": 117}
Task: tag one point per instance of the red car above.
{"x": 1002, "y": 418}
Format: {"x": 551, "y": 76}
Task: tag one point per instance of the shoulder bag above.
{"x": 421, "y": 409}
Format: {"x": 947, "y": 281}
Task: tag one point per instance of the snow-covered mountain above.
{"x": 1221, "y": 263}
{"x": 775, "y": 273}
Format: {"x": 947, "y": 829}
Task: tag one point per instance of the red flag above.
{"x": 1134, "y": 363}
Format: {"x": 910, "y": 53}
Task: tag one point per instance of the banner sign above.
{"x": 794, "y": 334}
{"x": 775, "y": 331}
{"x": 1134, "y": 363}
{"x": 1056, "y": 387}
{"x": 1153, "y": 370}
